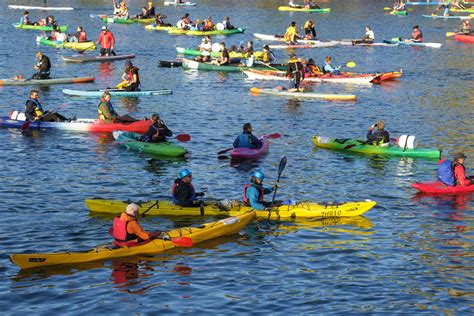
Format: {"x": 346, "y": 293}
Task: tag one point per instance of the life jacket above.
{"x": 38, "y": 108}
{"x": 244, "y": 141}
{"x": 445, "y": 173}
{"x": 82, "y": 37}
{"x": 54, "y": 35}
{"x": 102, "y": 116}
{"x": 121, "y": 235}
{"x": 260, "y": 196}
{"x": 268, "y": 56}
{"x": 208, "y": 25}
{"x": 173, "y": 189}
{"x": 417, "y": 35}
{"x": 25, "y": 20}
{"x": 308, "y": 25}
{"x": 130, "y": 74}
{"x": 290, "y": 34}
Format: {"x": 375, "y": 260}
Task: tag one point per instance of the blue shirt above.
{"x": 253, "y": 195}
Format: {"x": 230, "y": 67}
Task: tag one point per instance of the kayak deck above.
{"x": 132, "y": 141}
{"x": 323, "y": 96}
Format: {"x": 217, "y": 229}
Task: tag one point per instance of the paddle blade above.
{"x": 351, "y": 64}
{"x": 387, "y": 8}
{"x": 222, "y": 157}
{"x": 111, "y": 231}
{"x": 255, "y": 90}
{"x": 224, "y": 151}
{"x": 183, "y": 137}
{"x": 273, "y": 136}
{"x": 26, "y": 125}
{"x": 282, "y": 165}
{"x": 182, "y": 241}
{"x": 449, "y": 34}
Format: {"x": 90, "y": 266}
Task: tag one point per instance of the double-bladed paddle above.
{"x": 281, "y": 167}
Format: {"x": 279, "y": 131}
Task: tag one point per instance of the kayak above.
{"x": 63, "y": 28}
{"x": 247, "y": 153}
{"x": 411, "y": 43}
{"x": 158, "y": 28}
{"x": 313, "y": 44}
{"x": 85, "y": 59}
{"x": 280, "y": 38}
{"x": 184, "y": 4}
{"x": 80, "y": 125}
{"x": 223, "y": 227}
{"x": 170, "y": 64}
{"x": 26, "y": 82}
{"x": 458, "y": 17}
{"x": 342, "y": 78}
{"x": 192, "y": 64}
{"x": 359, "y": 146}
{"x": 115, "y": 92}
{"x": 302, "y": 9}
{"x": 436, "y": 187}
{"x": 324, "y": 96}
{"x": 108, "y": 19}
{"x": 464, "y": 38}
{"x": 423, "y": 3}
{"x": 388, "y": 76}
{"x": 399, "y": 12}
{"x": 28, "y": 7}
{"x": 462, "y": 10}
{"x": 215, "y": 208}
{"x": 195, "y": 52}
{"x": 131, "y": 141}
{"x": 352, "y": 43}
{"x": 202, "y": 33}
{"x": 71, "y": 45}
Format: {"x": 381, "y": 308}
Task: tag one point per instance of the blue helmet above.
{"x": 258, "y": 174}
{"x": 184, "y": 173}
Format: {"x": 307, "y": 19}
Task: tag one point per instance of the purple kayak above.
{"x": 247, "y": 153}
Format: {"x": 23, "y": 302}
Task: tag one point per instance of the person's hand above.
{"x": 200, "y": 194}
{"x": 276, "y": 185}
{"x": 373, "y": 126}
{"x": 268, "y": 209}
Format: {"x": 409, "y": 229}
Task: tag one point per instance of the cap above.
{"x": 104, "y": 27}
{"x": 459, "y": 156}
{"x": 132, "y": 209}
{"x": 266, "y": 47}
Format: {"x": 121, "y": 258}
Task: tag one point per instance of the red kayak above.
{"x": 436, "y": 187}
{"x": 387, "y": 76}
{"x": 464, "y": 38}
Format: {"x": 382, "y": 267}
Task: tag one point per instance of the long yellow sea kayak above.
{"x": 223, "y": 227}
{"x": 300, "y": 210}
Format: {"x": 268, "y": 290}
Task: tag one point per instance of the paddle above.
{"x": 178, "y": 241}
{"x": 449, "y": 34}
{"x": 152, "y": 206}
{"x": 281, "y": 167}
{"x": 270, "y": 136}
{"x": 266, "y": 65}
{"x": 87, "y": 48}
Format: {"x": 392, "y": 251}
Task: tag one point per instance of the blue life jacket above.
{"x": 244, "y": 141}
{"x": 445, "y": 173}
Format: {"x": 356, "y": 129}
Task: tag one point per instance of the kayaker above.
{"x": 313, "y": 69}
{"x": 54, "y": 33}
{"x": 224, "y": 58}
{"x": 248, "y": 50}
{"x": 254, "y": 192}
{"x": 122, "y": 13}
{"x": 34, "y": 110}
{"x": 208, "y": 24}
{"x": 295, "y": 71}
{"x": 329, "y": 68}
{"x": 79, "y": 37}
{"x": 227, "y": 24}
{"x": 379, "y": 138}
{"x": 107, "y": 112}
{"x": 308, "y": 4}
{"x": 291, "y": 35}
{"x": 157, "y": 132}
{"x": 25, "y": 19}
{"x": 151, "y": 9}
{"x": 247, "y": 139}
{"x": 144, "y": 15}
{"x": 268, "y": 56}
{"x": 459, "y": 5}
{"x": 465, "y": 27}
{"x": 185, "y": 23}
{"x": 309, "y": 30}
{"x": 50, "y": 21}
{"x": 453, "y": 173}
{"x": 368, "y": 38}
{"x": 127, "y": 230}
{"x": 183, "y": 192}
{"x": 130, "y": 78}
{"x": 416, "y": 35}
{"x": 107, "y": 40}
{"x": 159, "y": 20}
{"x": 43, "y": 65}
{"x": 206, "y": 44}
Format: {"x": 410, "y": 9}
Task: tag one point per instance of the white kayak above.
{"x": 28, "y": 7}
{"x": 286, "y": 93}
{"x": 179, "y": 4}
{"x": 350, "y": 78}
{"x": 280, "y": 38}
{"x": 313, "y": 44}
{"x": 349, "y": 42}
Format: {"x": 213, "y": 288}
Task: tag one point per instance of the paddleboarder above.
{"x": 43, "y": 65}
{"x": 107, "y": 40}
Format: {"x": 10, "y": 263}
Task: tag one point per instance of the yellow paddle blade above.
{"x": 351, "y": 64}
{"x": 387, "y": 8}
{"x": 255, "y": 90}
{"x": 410, "y": 9}
{"x": 121, "y": 85}
{"x": 448, "y": 34}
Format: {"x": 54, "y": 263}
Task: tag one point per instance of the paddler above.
{"x": 313, "y": 69}
{"x": 79, "y": 37}
{"x": 309, "y": 30}
{"x": 329, "y": 68}
{"x": 416, "y": 35}
{"x": 248, "y": 50}
{"x": 291, "y": 35}
{"x": 460, "y": 171}
{"x": 127, "y": 230}
{"x": 445, "y": 5}
{"x": 254, "y": 192}
{"x": 144, "y": 15}
{"x": 107, "y": 40}
{"x": 295, "y": 71}
{"x": 43, "y": 65}
{"x": 465, "y": 27}
{"x": 224, "y": 58}
{"x": 268, "y": 56}
{"x": 247, "y": 139}
{"x": 151, "y": 8}
{"x": 34, "y": 110}
{"x": 157, "y": 132}
{"x": 368, "y": 38}
{"x": 227, "y": 24}
{"x": 308, "y": 4}
{"x": 159, "y": 21}
{"x": 208, "y": 24}
{"x": 122, "y": 12}
{"x": 379, "y": 138}
{"x": 25, "y": 19}
{"x": 107, "y": 112}
{"x": 50, "y": 21}
{"x": 130, "y": 78}
{"x": 183, "y": 192}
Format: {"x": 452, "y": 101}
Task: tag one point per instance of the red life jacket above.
{"x": 130, "y": 74}
{"x": 121, "y": 236}
{"x": 54, "y": 35}
{"x": 82, "y": 37}
{"x": 260, "y": 197}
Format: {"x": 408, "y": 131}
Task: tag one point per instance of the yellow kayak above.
{"x": 158, "y": 28}
{"x": 223, "y": 227}
{"x": 300, "y": 210}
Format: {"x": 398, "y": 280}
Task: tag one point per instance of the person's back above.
{"x": 157, "y": 132}
{"x": 247, "y": 139}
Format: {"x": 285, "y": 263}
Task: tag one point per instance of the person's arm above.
{"x": 255, "y": 141}
{"x": 134, "y": 228}
{"x": 370, "y": 136}
{"x": 112, "y": 38}
{"x": 386, "y": 137}
{"x": 124, "y": 76}
{"x": 252, "y": 196}
{"x": 236, "y": 142}
{"x": 168, "y": 132}
{"x": 29, "y": 110}
{"x": 100, "y": 39}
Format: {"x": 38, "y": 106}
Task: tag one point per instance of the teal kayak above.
{"x": 360, "y": 146}
{"x": 399, "y": 12}
{"x": 115, "y": 92}
{"x": 131, "y": 141}
{"x": 192, "y": 64}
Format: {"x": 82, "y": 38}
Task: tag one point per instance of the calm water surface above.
{"x": 409, "y": 254}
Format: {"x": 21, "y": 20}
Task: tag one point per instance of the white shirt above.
{"x": 370, "y": 34}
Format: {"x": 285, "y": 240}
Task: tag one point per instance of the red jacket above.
{"x": 107, "y": 39}
{"x": 460, "y": 176}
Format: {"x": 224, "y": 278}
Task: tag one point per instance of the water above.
{"x": 409, "y": 254}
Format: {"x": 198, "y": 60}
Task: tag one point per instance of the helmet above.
{"x": 184, "y": 173}
{"x": 104, "y": 27}
{"x": 258, "y": 174}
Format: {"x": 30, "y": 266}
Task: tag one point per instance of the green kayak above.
{"x": 63, "y": 28}
{"x": 126, "y": 21}
{"x": 131, "y": 141}
{"x": 195, "y": 52}
{"x": 360, "y": 146}
{"x": 192, "y": 64}
{"x": 203, "y": 33}
{"x": 399, "y": 12}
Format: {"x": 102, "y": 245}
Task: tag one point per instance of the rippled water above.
{"x": 410, "y": 254}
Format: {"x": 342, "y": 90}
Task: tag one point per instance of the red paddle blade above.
{"x": 25, "y": 125}
{"x": 273, "y": 136}
{"x": 111, "y": 231}
{"x": 182, "y": 241}
{"x": 183, "y": 137}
